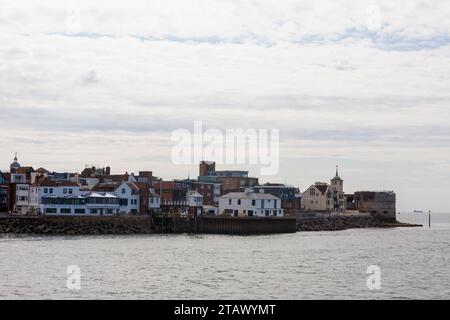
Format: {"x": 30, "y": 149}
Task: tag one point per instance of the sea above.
{"x": 374, "y": 263}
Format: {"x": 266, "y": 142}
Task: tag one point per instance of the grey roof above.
{"x": 250, "y": 195}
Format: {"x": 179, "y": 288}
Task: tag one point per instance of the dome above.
{"x": 15, "y": 164}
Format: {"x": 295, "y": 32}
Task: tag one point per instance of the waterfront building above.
{"x": 380, "y": 203}
{"x": 19, "y": 189}
{"x": 92, "y": 203}
{"x": 127, "y": 192}
{"x": 154, "y": 202}
{"x": 149, "y": 200}
{"x": 194, "y": 202}
{"x": 46, "y": 187}
{"x": 194, "y": 199}
{"x": 250, "y": 204}
{"x": 322, "y": 196}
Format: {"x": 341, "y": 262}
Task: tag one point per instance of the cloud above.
{"x": 362, "y": 83}
{"x": 89, "y": 77}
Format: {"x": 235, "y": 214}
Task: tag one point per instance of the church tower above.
{"x": 337, "y": 184}
{"x": 337, "y": 200}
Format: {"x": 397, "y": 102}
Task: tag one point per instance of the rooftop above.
{"x": 250, "y": 195}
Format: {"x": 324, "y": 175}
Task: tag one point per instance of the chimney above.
{"x": 108, "y": 170}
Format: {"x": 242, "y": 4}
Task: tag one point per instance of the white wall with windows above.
{"x": 250, "y": 204}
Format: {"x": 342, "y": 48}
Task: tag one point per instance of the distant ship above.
{"x": 418, "y": 211}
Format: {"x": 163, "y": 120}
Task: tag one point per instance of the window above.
{"x": 151, "y": 200}
{"x": 64, "y": 190}
{"x": 50, "y": 210}
{"x": 239, "y": 201}
{"x": 109, "y": 211}
{"x": 80, "y": 211}
{"x": 250, "y": 213}
{"x": 45, "y": 190}
{"x": 50, "y": 190}
{"x": 65, "y": 210}
{"x": 253, "y": 202}
{"x": 229, "y": 201}
{"x": 94, "y": 211}
{"x": 267, "y": 213}
{"x": 70, "y": 191}
{"x": 123, "y": 190}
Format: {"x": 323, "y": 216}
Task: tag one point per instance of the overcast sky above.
{"x": 362, "y": 84}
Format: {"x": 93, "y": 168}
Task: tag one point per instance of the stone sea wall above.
{"x": 84, "y": 225}
{"x": 76, "y": 225}
{"x": 347, "y": 222}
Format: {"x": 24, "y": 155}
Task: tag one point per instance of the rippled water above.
{"x": 414, "y": 262}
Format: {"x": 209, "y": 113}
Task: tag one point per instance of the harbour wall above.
{"x": 225, "y": 225}
{"x": 76, "y": 225}
{"x": 333, "y": 223}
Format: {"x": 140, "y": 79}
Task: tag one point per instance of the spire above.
{"x": 336, "y": 177}
{"x": 15, "y": 157}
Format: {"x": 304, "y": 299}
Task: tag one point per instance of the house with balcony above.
{"x": 92, "y": 203}
{"x": 126, "y": 192}
{"x": 47, "y": 188}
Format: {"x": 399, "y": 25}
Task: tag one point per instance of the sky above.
{"x": 360, "y": 84}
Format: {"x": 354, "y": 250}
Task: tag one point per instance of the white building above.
{"x": 154, "y": 201}
{"x": 21, "y": 178}
{"x": 53, "y": 197}
{"x": 194, "y": 199}
{"x": 93, "y": 203}
{"x": 250, "y": 204}
{"x": 127, "y": 192}
{"x": 22, "y": 199}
